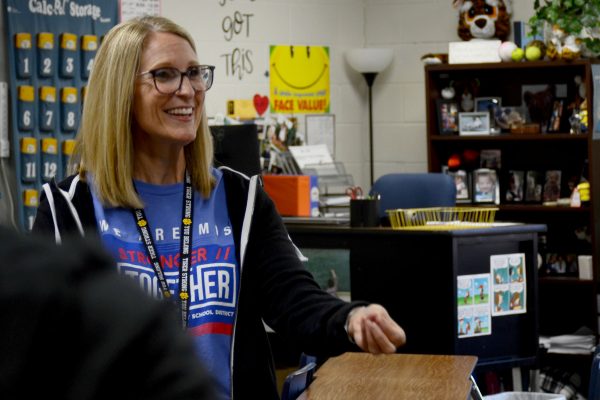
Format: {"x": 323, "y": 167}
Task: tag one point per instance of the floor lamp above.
{"x": 369, "y": 62}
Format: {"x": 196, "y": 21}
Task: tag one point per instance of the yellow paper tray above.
{"x": 442, "y": 218}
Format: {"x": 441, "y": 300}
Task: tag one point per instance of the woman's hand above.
{"x": 373, "y": 330}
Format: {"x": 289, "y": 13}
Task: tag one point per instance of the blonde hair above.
{"x": 104, "y": 145}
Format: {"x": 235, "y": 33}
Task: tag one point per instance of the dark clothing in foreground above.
{"x": 72, "y": 328}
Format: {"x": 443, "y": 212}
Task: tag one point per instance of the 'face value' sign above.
{"x": 299, "y": 78}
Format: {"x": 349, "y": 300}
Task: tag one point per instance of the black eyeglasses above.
{"x": 168, "y": 80}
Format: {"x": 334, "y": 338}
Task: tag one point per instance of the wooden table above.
{"x": 364, "y": 376}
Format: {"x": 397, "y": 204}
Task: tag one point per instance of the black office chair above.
{"x": 413, "y": 190}
{"x": 297, "y": 382}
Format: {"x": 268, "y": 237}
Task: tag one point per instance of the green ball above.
{"x": 517, "y": 54}
{"x": 533, "y": 53}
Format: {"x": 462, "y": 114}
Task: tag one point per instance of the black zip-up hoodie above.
{"x": 275, "y": 286}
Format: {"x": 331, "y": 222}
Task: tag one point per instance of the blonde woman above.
{"x": 207, "y": 240}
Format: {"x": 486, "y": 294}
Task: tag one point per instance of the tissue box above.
{"x": 294, "y": 195}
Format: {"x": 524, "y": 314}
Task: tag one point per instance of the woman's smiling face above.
{"x": 166, "y": 118}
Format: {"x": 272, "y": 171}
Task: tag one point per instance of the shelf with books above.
{"x": 531, "y": 172}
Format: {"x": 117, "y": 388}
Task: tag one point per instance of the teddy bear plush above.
{"x": 561, "y": 45}
{"x": 483, "y": 19}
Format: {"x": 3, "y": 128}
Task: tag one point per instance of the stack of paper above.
{"x": 569, "y": 344}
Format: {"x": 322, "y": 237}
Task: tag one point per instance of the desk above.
{"x": 414, "y": 275}
{"x": 363, "y": 376}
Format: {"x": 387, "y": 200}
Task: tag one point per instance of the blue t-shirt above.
{"x": 214, "y": 270}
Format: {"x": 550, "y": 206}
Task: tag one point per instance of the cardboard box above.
{"x": 294, "y": 195}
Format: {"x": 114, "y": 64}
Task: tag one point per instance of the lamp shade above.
{"x": 366, "y": 60}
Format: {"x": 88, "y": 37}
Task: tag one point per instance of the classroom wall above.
{"x": 410, "y": 27}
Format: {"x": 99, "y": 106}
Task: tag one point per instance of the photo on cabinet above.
{"x": 533, "y": 187}
{"x": 485, "y": 184}
{"x": 561, "y": 264}
{"x": 490, "y": 158}
{"x": 552, "y": 186}
{"x": 447, "y": 113}
{"x": 463, "y": 187}
{"x": 514, "y": 186}
{"x": 492, "y": 106}
{"x": 556, "y": 122}
{"x": 539, "y": 102}
{"x": 473, "y": 123}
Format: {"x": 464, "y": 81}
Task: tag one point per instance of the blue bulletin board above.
{"x": 52, "y": 45}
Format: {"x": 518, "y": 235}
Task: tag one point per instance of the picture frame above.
{"x": 538, "y": 100}
{"x": 487, "y": 104}
{"x": 533, "y": 187}
{"x": 564, "y": 264}
{"x": 485, "y": 186}
{"x": 552, "y": 185}
{"x": 447, "y": 113}
{"x": 463, "y": 184}
{"x": 490, "y": 158}
{"x": 493, "y": 106}
{"x": 473, "y": 123}
{"x": 556, "y": 123}
{"x": 515, "y": 185}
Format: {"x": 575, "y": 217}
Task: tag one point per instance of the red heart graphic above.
{"x": 261, "y": 103}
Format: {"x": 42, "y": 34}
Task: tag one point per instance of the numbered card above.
{"x": 49, "y": 158}
{"x": 89, "y": 45}
{"x": 25, "y": 108}
{"x": 30, "y": 203}
{"x": 23, "y": 56}
{"x": 45, "y": 45}
{"x": 67, "y": 151}
{"x": 47, "y": 108}
{"x": 28, "y": 159}
{"x": 69, "y": 109}
{"x": 68, "y": 53}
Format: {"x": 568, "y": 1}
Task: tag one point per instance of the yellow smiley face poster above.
{"x": 299, "y": 77}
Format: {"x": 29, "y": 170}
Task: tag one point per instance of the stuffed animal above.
{"x": 562, "y": 46}
{"x": 483, "y": 19}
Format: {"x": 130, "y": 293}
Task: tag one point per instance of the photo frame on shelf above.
{"x": 473, "y": 123}
{"x": 447, "y": 113}
{"x": 533, "y": 186}
{"x": 552, "y": 185}
{"x": 490, "y": 158}
{"x": 493, "y": 106}
{"x": 515, "y": 185}
{"x": 564, "y": 264}
{"x": 556, "y": 119}
{"x": 462, "y": 182}
{"x": 487, "y": 104}
{"x": 485, "y": 186}
{"x": 538, "y": 101}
